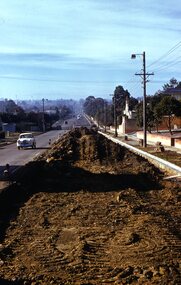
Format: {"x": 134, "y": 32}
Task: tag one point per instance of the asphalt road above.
{"x": 75, "y": 122}
{"x": 15, "y": 158}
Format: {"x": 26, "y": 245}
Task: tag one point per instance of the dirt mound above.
{"x": 88, "y": 211}
{"x": 84, "y": 155}
{"x": 88, "y": 149}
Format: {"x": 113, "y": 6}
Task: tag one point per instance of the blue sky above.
{"x": 75, "y": 48}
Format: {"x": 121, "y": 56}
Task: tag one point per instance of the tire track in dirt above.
{"x": 78, "y": 225}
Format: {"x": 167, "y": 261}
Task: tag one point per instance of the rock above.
{"x": 133, "y": 238}
{"x": 131, "y": 279}
{"x": 118, "y": 198}
{"x": 1, "y": 247}
{"x": 138, "y": 271}
{"x": 127, "y": 272}
{"x": 1, "y": 262}
{"x": 148, "y": 274}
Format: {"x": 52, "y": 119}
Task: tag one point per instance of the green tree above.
{"x": 172, "y": 83}
{"x": 12, "y": 108}
{"x": 99, "y": 109}
{"x": 90, "y": 106}
{"x": 150, "y": 119}
{"x": 139, "y": 114}
{"x": 119, "y": 98}
{"x": 153, "y": 118}
{"x": 64, "y": 112}
{"x": 132, "y": 103}
{"x": 99, "y": 105}
{"x": 169, "y": 107}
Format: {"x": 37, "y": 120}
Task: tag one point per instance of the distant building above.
{"x": 127, "y": 112}
{"x": 9, "y": 127}
{"x": 129, "y": 123}
{"x": 174, "y": 92}
{"x": 2, "y": 106}
{"x": 1, "y": 124}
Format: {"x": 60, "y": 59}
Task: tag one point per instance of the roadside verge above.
{"x": 164, "y": 165}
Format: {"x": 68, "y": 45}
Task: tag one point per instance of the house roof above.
{"x": 173, "y": 90}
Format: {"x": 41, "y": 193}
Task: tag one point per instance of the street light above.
{"x": 144, "y": 76}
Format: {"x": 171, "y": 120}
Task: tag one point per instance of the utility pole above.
{"x": 43, "y": 118}
{"x": 144, "y": 101}
{"x": 115, "y": 116}
{"x": 144, "y": 75}
{"x": 105, "y": 115}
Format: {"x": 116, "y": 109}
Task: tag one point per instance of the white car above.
{"x": 26, "y": 140}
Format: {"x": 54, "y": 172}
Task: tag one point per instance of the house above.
{"x": 127, "y": 112}
{"x": 129, "y": 123}
{"x": 174, "y": 92}
{"x": 1, "y": 124}
{"x": 2, "y": 106}
{"x": 9, "y": 127}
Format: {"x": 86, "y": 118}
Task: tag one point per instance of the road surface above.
{"x": 15, "y": 158}
{"x": 75, "y": 122}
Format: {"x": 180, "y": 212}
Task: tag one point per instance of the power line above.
{"x": 59, "y": 80}
{"x": 162, "y": 66}
{"x": 166, "y": 54}
{"x": 168, "y": 64}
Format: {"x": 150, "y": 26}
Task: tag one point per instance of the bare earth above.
{"x": 88, "y": 211}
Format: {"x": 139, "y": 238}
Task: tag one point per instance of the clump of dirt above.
{"x": 89, "y": 211}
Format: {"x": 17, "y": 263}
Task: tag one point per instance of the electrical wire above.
{"x": 174, "y": 48}
{"x": 173, "y": 59}
{"x": 168, "y": 64}
{"x": 58, "y": 80}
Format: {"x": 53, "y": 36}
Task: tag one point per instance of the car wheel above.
{"x": 19, "y": 147}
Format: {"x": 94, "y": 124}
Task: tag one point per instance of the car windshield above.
{"x": 26, "y": 136}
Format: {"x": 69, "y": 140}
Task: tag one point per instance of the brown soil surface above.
{"x": 169, "y": 155}
{"x": 89, "y": 211}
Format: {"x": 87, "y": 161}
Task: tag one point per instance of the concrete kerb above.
{"x": 160, "y": 163}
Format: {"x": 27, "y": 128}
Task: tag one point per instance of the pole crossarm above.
{"x": 146, "y": 74}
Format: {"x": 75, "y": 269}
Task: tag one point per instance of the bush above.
{"x": 2, "y": 135}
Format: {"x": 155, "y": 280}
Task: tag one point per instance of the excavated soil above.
{"x": 88, "y": 211}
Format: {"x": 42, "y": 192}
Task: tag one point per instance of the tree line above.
{"x": 157, "y": 106}
{"x": 15, "y": 114}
